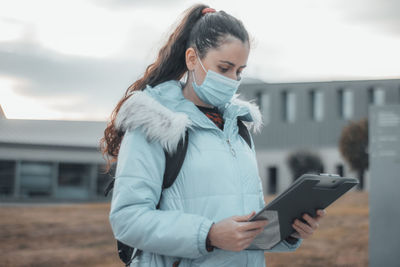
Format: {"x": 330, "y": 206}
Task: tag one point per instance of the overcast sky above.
{"x": 74, "y": 59}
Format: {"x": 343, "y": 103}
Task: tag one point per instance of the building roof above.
{"x": 87, "y": 134}
{"x": 2, "y": 114}
{"x": 249, "y": 80}
{"x": 52, "y": 132}
{"x": 318, "y": 82}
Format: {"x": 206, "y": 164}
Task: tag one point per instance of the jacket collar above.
{"x": 164, "y": 114}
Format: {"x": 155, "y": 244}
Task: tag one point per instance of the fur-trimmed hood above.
{"x": 164, "y": 113}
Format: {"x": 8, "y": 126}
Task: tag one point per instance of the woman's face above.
{"x": 229, "y": 60}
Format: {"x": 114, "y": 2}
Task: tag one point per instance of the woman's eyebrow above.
{"x": 230, "y": 63}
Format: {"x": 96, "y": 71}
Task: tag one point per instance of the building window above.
{"x": 288, "y": 106}
{"x": 399, "y": 94}
{"x": 272, "y": 180}
{"x": 258, "y": 98}
{"x": 316, "y": 105}
{"x": 345, "y": 103}
{"x": 7, "y": 174}
{"x": 263, "y": 102}
{"x": 73, "y": 180}
{"x": 36, "y": 179}
{"x": 340, "y": 169}
{"x": 376, "y": 96}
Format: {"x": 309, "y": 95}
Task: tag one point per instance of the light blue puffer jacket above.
{"x": 219, "y": 178}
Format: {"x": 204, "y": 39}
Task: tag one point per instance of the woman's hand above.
{"x": 235, "y": 233}
{"x": 304, "y": 230}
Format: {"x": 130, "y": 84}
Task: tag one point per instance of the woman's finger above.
{"x": 296, "y": 235}
{"x": 247, "y": 241}
{"x": 321, "y": 214}
{"x": 300, "y": 231}
{"x": 251, "y": 233}
{"x": 311, "y": 221}
{"x": 247, "y": 226}
{"x": 303, "y": 226}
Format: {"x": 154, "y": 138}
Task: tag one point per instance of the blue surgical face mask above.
{"x": 216, "y": 89}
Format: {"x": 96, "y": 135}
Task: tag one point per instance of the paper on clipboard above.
{"x": 271, "y": 234}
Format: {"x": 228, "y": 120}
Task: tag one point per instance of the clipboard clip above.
{"x": 330, "y": 174}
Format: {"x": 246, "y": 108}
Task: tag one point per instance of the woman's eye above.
{"x": 223, "y": 69}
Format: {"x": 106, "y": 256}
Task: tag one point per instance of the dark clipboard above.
{"x": 307, "y": 194}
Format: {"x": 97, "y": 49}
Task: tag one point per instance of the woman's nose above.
{"x": 233, "y": 76}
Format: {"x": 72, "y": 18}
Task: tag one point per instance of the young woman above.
{"x": 203, "y": 216}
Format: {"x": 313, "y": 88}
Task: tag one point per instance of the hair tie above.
{"x": 208, "y": 10}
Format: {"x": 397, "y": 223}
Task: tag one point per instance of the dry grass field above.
{"x": 80, "y": 235}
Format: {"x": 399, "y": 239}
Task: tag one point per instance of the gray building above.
{"x": 311, "y": 115}
{"x": 43, "y": 160}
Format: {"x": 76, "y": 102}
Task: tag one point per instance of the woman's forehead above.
{"x": 233, "y": 51}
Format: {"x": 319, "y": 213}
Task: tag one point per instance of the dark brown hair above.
{"x": 194, "y": 30}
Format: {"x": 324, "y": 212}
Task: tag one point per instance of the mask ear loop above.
{"x": 197, "y": 55}
{"x": 194, "y": 78}
{"x": 201, "y": 64}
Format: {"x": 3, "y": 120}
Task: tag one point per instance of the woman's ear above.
{"x": 191, "y": 59}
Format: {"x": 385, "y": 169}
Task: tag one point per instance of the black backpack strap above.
{"x": 174, "y": 162}
{"x": 109, "y": 186}
{"x": 125, "y": 253}
{"x": 244, "y": 132}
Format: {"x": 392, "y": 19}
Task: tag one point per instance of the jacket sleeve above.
{"x": 134, "y": 219}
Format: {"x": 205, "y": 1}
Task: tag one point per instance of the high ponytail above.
{"x": 195, "y": 30}
{"x": 169, "y": 65}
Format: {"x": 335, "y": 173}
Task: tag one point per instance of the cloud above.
{"x": 118, "y": 4}
{"x": 381, "y": 15}
{"x": 46, "y": 74}
{"x": 86, "y": 65}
